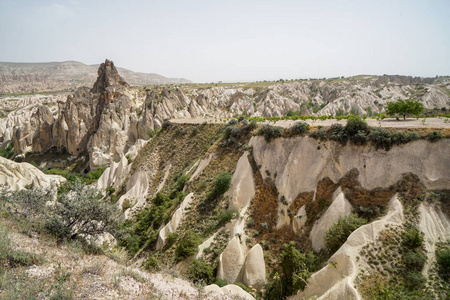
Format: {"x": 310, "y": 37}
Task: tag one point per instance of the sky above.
{"x": 231, "y": 40}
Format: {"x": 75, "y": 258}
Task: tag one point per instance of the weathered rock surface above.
{"x": 231, "y": 261}
{"x": 436, "y": 227}
{"x": 335, "y": 280}
{"x": 340, "y": 207}
{"x": 136, "y": 193}
{"x": 32, "y": 77}
{"x": 300, "y": 163}
{"x": 17, "y": 176}
{"x": 214, "y": 291}
{"x": 255, "y": 268}
{"x": 242, "y": 188}
{"x": 172, "y": 226}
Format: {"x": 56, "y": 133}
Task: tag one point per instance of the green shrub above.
{"x": 151, "y": 133}
{"x": 414, "y": 280}
{"x": 443, "y": 261}
{"x": 412, "y": 238}
{"x": 152, "y": 263}
{"x": 414, "y": 259}
{"x": 400, "y": 137}
{"x": 201, "y": 271}
{"x": 232, "y": 122}
{"x": 166, "y": 124}
{"x": 381, "y": 138}
{"x": 181, "y": 182}
{"x": 270, "y": 132}
{"x": 319, "y": 134}
{"x": 274, "y": 288}
{"x": 171, "y": 239}
{"x": 92, "y": 176}
{"x": 82, "y": 211}
{"x": 221, "y": 184}
{"x": 225, "y": 216}
{"x": 412, "y": 136}
{"x": 23, "y": 258}
{"x": 5, "y": 243}
{"x": 187, "y": 245}
{"x": 300, "y": 128}
{"x": 295, "y": 271}
{"x": 27, "y": 203}
{"x": 7, "y": 152}
{"x": 357, "y": 130}
{"x": 434, "y": 136}
{"x": 339, "y": 232}
{"x": 220, "y": 282}
{"x": 338, "y": 133}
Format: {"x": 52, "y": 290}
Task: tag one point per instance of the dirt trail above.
{"x": 387, "y": 123}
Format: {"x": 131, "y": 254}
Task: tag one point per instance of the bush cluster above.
{"x": 144, "y": 231}
{"x": 221, "y": 184}
{"x": 236, "y": 129}
{"x": 187, "y": 245}
{"x": 270, "y": 132}
{"x": 339, "y": 232}
{"x": 443, "y": 261}
{"x": 7, "y": 152}
{"x": 295, "y": 268}
{"x": 201, "y": 271}
{"x": 81, "y": 211}
{"x": 300, "y": 128}
{"x": 413, "y": 257}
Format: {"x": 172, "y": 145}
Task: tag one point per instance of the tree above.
{"x": 82, "y": 211}
{"x": 404, "y": 107}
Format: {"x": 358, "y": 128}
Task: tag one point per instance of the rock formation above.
{"x": 338, "y": 209}
{"x": 17, "y": 176}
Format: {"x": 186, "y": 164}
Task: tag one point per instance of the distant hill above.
{"x": 51, "y": 76}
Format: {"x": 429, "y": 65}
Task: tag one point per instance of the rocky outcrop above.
{"x": 340, "y": 207}
{"x": 214, "y": 291}
{"x": 335, "y": 280}
{"x": 235, "y": 265}
{"x": 17, "y": 176}
{"x": 172, "y": 226}
{"x": 254, "y": 271}
{"x": 231, "y": 261}
{"x": 242, "y": 188}
{"x": 102, "y": 122}
{"x": 301, "y": 162}
{"x": 56, "y": 76}
{"x": 136, "y": 193}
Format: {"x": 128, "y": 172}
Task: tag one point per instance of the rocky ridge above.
{"x": 108, "y": 119}
{"x": 69, "y": 75}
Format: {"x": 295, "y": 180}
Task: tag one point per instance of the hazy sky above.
{"x": 233, "y": 40}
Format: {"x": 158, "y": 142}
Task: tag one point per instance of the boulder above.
{"x": 231, "y": 262}
{"x": 254, "y": 274}
{"x": 230, "y": 289}
{"x": 242, "y": 188}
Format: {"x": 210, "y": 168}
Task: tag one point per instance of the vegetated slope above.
{"x": 68, "y": 75}
{"x": 271, "y": 211}
{"x": 303, "y": 186}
